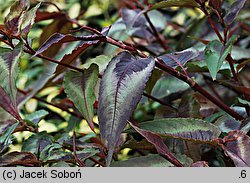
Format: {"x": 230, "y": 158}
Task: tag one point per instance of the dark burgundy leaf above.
{"x": 237, "y": 146}
{"x": 44, "y": 15}
{"x": 159, "y": 144}
{"x": 55, "y": 39}
{"x": 179, "y": 58}
{"x": 233, "y": 11}
{"x": 120, "y": 90}
{"x": 19, "y": 158}
{"x": 71, "y": 57}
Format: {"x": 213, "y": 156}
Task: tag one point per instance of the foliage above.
{"x": 125, "y": 83}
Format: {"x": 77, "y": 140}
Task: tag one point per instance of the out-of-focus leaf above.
{"x": 55, "y": 39}
{"x": 159, "y": 144}
{"x": 179, "y": 58}
{"x": 151, "y": 160}
{"x": 226, "y": 123}
{"x": 183, "y": 128}
{"x": 189, "y": 107}
{"x": 36, "y": 117}
{"x": 168, "y": 85}
{"x": 156, "y": 74}
{"x": 200, "y": 164}
{"x": 174, "y": 3}
{"x": 239, "y": 53}
{"x": 233, "y": 11}
{"x": 37, "y": 142}
{"x": 5, "y": 139}
{"x": 237, "y": 147}
{"x": 80, "y": 87}
{"x": 44, "y": 15}
{"x": 215, "y": 55}
{"x": 101, "y": 60}
{"x": 19, "y": 158}
{"x": 142, "y": 145}
{"x": 121, "y": 88}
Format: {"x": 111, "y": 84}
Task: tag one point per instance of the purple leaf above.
{"x": 200, "y": 164}
{"x": 179, "y": 58}
{"x": 234, "y": 11}
{"x": 121, "y": 89}
{"x": 55, "y": 39}
{"x": 19, "y": 158}
{"x": 237, "y": 146}
{"x": 159, "y": 144}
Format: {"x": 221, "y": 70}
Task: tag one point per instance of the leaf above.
{"x": 179, "y": 58}
{"x": 14, "y": 18}
{"x": 19, "y": 158}
{"x": 55, "y": 39}
{"x": 5, "y": 139}
{"x": 28, "y": 19}
{"x": 172, "y": 3}
{"x": 120, "y": 90}
{"x": 71, "y": 57}
{"x": 9, "y": 60}
{"x": 36, "y": 117}
{"x": 215, "y": 55}
{"x": 151, "y": 160}
{"x": 155, "y": 76}
{"x": 237, "y": 147}
{"x": 101, "y": 60}
{"x": 6, "y": 124}
{"x": 183, "y": 128}
{"x": 159, "y": 144}
{"x": 200, "y": 164}
{"x": 37, "y": 142}
{"x": 233, "y": 11}
{"x": 79, "y": 87}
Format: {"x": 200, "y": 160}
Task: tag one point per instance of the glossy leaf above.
{"x": 179, "y": 58}
{"x": 237, "y": 147}
{"x": 5, "y": 139}
{"x": 183, "y": 128}
{"x": 215, "y": 55}
{"x": 174, "y": 3}
{"x": 121, "y": 89}
{"x": 19, "y": 158}
{"x": 159, "y": 144}
{"x": 80, "y": 87}
{"x": 151, "y": 160}
{"x": 233, "y": 11}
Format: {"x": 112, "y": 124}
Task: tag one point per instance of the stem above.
{"x": 158, "y": 37}
{"x": 231, "y": 63}
{"x": 80, "y": 163}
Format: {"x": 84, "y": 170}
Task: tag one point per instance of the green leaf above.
{"x": 183, "y": 128}
{"x": 101, "y": 60}
{"x": 152, "y": 160}
{"x": 5, "y": 139}
{"x": 79, "y": 87}
{"x": 215, "y": 55}
{"x": 37, "y": 142}
{"x": 36, "y": 117}
{"x": 172, "y": 3}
